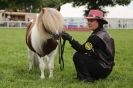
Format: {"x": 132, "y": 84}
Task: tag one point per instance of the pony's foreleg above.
{"x": 42, "y": 66}
{"x": 51, "y": 63}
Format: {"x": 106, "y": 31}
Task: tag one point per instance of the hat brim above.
{"x": 103, "y": 20}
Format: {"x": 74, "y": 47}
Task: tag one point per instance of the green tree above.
{"x": 36, "y": 5}
{"x": 30, "y": 5}
{"x": 15, "y": 5}
{"x": 55, "y": 3}
{"x": 99, "y": 4}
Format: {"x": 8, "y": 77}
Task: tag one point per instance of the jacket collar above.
{"x": 97, "y": 30}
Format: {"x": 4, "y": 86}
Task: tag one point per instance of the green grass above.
{"x": 14, "y": 71}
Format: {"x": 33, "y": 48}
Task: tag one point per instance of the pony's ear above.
{"x": 43, "y": 10}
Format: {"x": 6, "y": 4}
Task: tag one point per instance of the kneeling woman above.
{"x": 95, "y": 58}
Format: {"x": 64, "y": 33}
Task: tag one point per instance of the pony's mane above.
{"x": 51, "y": 19}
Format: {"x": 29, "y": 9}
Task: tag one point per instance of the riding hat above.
{"x": 96, "y": 14}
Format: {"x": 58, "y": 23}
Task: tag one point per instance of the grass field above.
{"x": 14, "y": 71}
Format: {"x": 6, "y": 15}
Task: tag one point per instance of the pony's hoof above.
{"x": 42, "y": 77}
{"x": 51, "y": 76}
{"x": 30, "y": 69}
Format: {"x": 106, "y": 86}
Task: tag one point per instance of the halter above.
{"x": 55, "y": 36}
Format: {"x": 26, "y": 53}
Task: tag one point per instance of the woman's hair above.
{"x": 100, "y": 22}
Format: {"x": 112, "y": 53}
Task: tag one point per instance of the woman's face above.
{"x": 92, "y": 24}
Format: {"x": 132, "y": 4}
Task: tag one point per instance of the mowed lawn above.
{"x": 14, "y": 71}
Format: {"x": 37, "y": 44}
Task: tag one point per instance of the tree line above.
{"x": 36, "y": 5}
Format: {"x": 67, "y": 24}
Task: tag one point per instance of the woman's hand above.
{"x": 66, "y": 36}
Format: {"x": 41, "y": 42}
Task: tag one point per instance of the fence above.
{"x": 13, "y": 24}
{"x": 74, "y": 25}
{"x": 23, "y": 24}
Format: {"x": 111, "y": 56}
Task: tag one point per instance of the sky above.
{"x": 113, "y": 12}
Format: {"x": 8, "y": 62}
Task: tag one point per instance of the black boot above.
{"x": 85, "y": 78}
{"x": 89, "y": 79}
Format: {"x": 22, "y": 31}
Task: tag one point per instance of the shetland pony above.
{"x": 42, "y": 39}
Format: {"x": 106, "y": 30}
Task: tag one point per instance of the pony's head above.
{"x": 51, "y": 21}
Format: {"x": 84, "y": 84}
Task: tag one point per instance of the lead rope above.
{"x": 61, "y": 60}
{"x": 61, "y": 52}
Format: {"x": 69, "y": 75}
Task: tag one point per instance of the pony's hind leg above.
{"x": 30, "y": 57}
{"x": 51, "y": 63}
